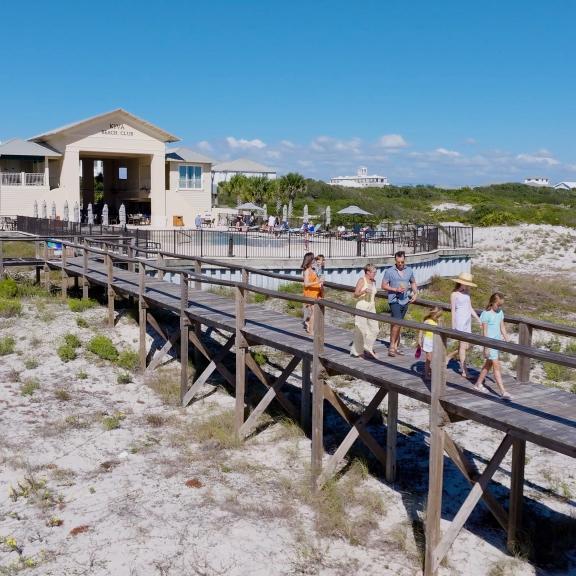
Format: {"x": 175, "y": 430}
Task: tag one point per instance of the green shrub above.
{"x": 112, "y": 422}
{"x": 67, "y": 353}
{"x": 260, "y": 358}
{"x": 8, "y": 288}
{"x": 128, "y": 359}
{"x": 570, "y": 349}
{"x": 556, "y": 373}
{"x": 31, "y": 363}
{"x": 9, "y": 308}
{"x": 259, "y": 298}
{"x": 80, "y": 305}
{"x": 7, "y": 345}
{"x": 82, "y": 322}
{"x": 29, "y": 386}
{"x": 103, "y": 347}
{"x": 382, "y": 306}
{"x": 292, "y": 288}
{"x": 82, "y": 375}
{"x": 124, "y": 378}
{"x": 72, "y": 340}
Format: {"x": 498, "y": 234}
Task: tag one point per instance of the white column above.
{"x": 158, "y": 190}
{"x": 46, "y": 172}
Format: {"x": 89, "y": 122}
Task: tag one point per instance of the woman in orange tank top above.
{"x": 312, "y": 289}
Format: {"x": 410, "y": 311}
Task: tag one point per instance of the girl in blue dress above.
{"x": 492, "y": 320}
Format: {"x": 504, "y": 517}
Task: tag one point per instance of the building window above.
{"x": 190, "y": 177}
{"x": 122, "y": 173}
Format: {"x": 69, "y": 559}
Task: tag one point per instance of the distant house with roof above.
{"x": 538, "y": 182}
{"x": 223, "y": 171}
{"x": 565, "y": 186}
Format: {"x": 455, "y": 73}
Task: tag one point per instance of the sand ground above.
{"x": 99, "y": 477}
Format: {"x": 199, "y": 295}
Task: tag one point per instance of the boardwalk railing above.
{"x": 112, "y": 265}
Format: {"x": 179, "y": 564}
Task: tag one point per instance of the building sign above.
{"x": 118, "y": 130}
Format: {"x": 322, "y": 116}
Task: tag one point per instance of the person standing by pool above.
{"x": 365, "y": 329}
{"x": 198, "y": 221}
{"x": 400, "y": 283}
{"x": 312, "y": 289}
{"x": 493, "y": 327}
{"x": 462, "y": 314}
{"x": 271, "y": 222}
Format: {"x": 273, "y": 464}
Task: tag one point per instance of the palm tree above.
{"x": 292, "y": 184}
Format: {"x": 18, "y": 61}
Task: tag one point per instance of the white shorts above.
{"x": 427, "y": 346}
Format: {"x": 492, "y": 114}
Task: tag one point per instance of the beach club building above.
{"x": 164, "y": 186}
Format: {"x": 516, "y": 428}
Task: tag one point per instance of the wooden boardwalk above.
{"x": 538, "y": 414}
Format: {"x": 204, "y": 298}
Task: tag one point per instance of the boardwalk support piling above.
{"x": 317, "y": 396}
{"x": 184, "y": 328}
{"x": 110, "y": 289}
{"x": 516, "y": 493}
{"x": 64, "y": 274}
{"x": 306, "y": 399}
{"x": 85, "y": 272}
{"x": 391, "y": 436}
{"x": 142, "y": 321}
{"x": 241, "y": 345}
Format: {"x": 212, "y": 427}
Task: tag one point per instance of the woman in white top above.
{"x": 462, "y": 314}
{"x": 365, "y": 330}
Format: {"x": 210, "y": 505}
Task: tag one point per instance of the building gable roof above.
{"x": 565, "y": 184}
{"x": 146, "y": 126}
{"x": 182, "y": 154}
{"x": 242, "y": 165}
{"x": 18, "y": 147}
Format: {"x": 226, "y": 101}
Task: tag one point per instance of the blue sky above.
{"x": 446, "y": 92}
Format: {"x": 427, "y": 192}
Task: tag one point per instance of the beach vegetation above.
{"x": 81, "y": 304}
{"x": 128, "y": 359}
{"x": 7, "y": 345}
{"x": 29, "y": 386}
{"x": 103, "y": 347}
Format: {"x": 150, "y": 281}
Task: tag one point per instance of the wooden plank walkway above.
{"x": 542, "y": 415}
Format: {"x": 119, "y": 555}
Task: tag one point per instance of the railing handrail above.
{"x": 516, "y": 349}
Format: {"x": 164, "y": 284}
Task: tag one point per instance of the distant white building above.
{"x": 361, "y": 180}
{"x": 223, "y": 171}
{"x": 537, "y": 181}
{"x": 565, "y": 186}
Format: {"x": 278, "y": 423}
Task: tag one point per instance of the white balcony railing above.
{"x": 22, "y": 178}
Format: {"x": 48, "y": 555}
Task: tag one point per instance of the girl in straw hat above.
{"x": 462, "y": 314}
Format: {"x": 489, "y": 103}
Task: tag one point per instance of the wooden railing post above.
{"x": 46, "y": 268}
{"x": 317, "y": 395}
{"x": 184, "y": 328}
{"x": 436, "y": 470}
{"x": 1, "y": 258}
{"x": 64, "y": 275}
{"x": 241, "y": 346}
{"x": 160, "y": 262}
{"x": 85, "y": 270}
{"x": 197, "y": 270}
{"x": 142, "y": 320}
{"x": 523, "y": 362}
{"x": 306, "y": 399}
{"x": 110, "y": 285}
{"x": 516, "y": 493}
{"x": 130, "y": 251}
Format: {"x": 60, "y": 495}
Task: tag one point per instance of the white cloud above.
{"x": 448, "y": 153}
{"x": 328, "y": 144}
{"x": 287, "y": 144}
{"x": 244, "y": 144}
{"x": 273, "y": 154}
{"x": 542, "y": 157}
{"x": 392, "y": 141}
{"x": 205, "y": 145}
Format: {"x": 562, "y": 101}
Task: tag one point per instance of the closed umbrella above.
{"x": 265, "y": 208}
{"x": 66, "y": 212}
{"x": 290, "y": 209}
{"x": 284, "y": 213}
{"x": 278, "y": 205}
{"x": 76, "y": 212}
{"x": 53, "y": 216}
{"x": 35, "y": 209}
{"x": 122, "y": 215}
{"x": 90, "y": 215}
{"x": 44, "y": 210}
{"x": 305, "y": 213}
{"x": 105, "y": 215}
{"x": 328, "y": 216}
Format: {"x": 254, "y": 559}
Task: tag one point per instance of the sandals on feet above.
{"x": 506, "y": 396}
{"x": 480, "y": 388}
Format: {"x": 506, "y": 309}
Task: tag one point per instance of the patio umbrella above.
{"x": 328, "y": 216}
{"x": 105, "y": 215}
{"x": 35, "y": 209}
{"x": 290, "y": 209}
{"x": 354, "y": 211}
{"x": 90, "y": 215}
{"x": 265, "y": 208}
{"x": 305, "y": 213}
{"x": 76, "y": 212}
{"x": 122, "y": 215}
{"x": 249, "y": 206}
{"x": 44, "y": 210}
{"x": 53, "y": 213}
{"x": 284, "y": 213}
{"x": 66, "y": 212}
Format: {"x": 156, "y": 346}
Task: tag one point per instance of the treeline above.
{"x": 493, "y": 205}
